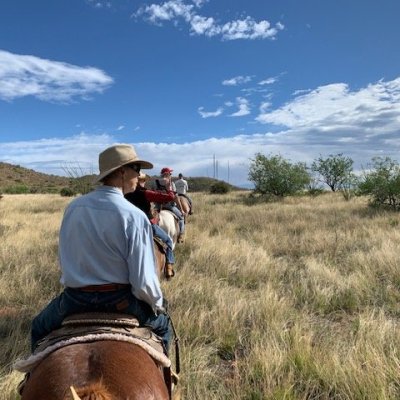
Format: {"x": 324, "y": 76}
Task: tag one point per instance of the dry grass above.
{"x": 291, "y": 300}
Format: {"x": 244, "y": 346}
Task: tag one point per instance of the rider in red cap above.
{"x": 166, "y": 184}
{"x": 166, "y": 170}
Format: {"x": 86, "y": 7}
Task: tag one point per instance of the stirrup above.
{"x": 174, "y": 377}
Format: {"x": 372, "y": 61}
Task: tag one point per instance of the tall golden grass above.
{"x": 292, "y": 300}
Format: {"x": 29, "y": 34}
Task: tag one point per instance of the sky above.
{"x": 200, "y": 86}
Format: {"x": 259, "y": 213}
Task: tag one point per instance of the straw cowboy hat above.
{"x": 117, "y": 156}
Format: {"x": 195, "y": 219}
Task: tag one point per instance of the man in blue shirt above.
{"x": 106, "y": 253}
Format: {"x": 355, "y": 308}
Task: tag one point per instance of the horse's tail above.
{"x": 95, "y": 391}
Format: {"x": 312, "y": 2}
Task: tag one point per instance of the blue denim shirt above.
{"x": 106, "y": 239}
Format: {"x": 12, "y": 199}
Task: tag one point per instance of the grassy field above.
{"x": 292, "y": 300}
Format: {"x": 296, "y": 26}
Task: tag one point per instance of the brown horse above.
{"x": 102, "y": 370}
{"x": 184, "y": 206}
{"x": 160, "y": 259}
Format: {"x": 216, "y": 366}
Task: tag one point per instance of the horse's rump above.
{"x": 184, "y": 205}
{"x": 159, "y": 252}
{"x": 169, "y": 223}
{"x": 91, "y": 327}
{"x": 107, "y": 370}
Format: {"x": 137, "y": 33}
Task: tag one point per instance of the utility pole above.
{"x": 214, "y": 166}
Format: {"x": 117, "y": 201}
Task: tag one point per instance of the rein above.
{"x": 176, "y": 342}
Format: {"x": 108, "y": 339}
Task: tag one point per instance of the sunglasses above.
{"x": 135, "y": 167}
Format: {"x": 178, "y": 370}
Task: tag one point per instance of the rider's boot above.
{"x": 169, "y": 271}
{"x": 181, "y": 238}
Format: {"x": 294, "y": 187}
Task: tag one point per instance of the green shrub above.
{"x": 67, "y": 192}
{"x": 17, "y": 189}
{"x": 276, "y": 176}
{"x": 382, "y": 183}
{"x": 219, "y": 188}
{"x": 335, "y": 170}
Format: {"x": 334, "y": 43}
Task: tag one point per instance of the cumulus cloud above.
{"x": 53, "y": 154}
{"x": 362, "y": 124}
{"x": 25, "y": 75}
{"x": 208, "y": 114}
{"x": 244, "y": 108}
{"x": 335, "y": 106}
{"x": 176, "y": 10}
{"x": 237, "y": 80}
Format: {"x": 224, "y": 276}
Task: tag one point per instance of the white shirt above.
{"x": 181, "y": 186}
{"x": 106, "y": 239}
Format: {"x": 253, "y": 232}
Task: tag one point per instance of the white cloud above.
{"x": 51, "y": 155}
{"x": 203, "y": 26}
{"x": 244, "y": 108}
{"x": 167, "y": 11}
{"x": 237, "y": 80}
{"x": 199, "y": 3}
{"x": 335, "y": 106}
{"x": 120, "y": 127}
{"x": 175, "y": 10}
{"x": 268, "y": 81}
{"x": 248, "y": 28}
{"x": 360, "y": 124}
{"x": 99, "y": 3}
{"x": 24, "y": 75}
{"x": 208, "y": 114}
{"x": 265, "y": 106}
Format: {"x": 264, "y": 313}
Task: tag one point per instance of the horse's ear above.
{"x": 74, "y": 394}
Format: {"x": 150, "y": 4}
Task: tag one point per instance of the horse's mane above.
{"x": 95, "y": 391}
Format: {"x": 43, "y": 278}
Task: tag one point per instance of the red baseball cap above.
{"x": 166, "y": 170}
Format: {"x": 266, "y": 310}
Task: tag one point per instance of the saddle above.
{"x": 161, "y": 245}
{"x": 90, "y": 327}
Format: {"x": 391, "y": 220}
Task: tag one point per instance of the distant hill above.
{"x": 17, "y": 179}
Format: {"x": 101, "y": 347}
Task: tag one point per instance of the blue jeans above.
{"x": 178, "y": 213}
{"x": 159, "y": 232}
{"x": 72, "y": 301}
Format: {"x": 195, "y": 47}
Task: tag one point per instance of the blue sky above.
{"x": 184, "y": 80}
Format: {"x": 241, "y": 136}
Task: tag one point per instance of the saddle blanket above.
{"x": 68, "y": 335}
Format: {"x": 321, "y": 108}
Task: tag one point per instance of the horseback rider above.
{"x": 142, "y": 198}
{"x": 182, "y": 188}
{"x": 106, "y": 253}
{"x": 166, "y": 184}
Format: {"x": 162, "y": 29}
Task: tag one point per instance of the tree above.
{"x": 79, "y": 181}
{"x": 276, "y": 176}
{"x": 382, "y": 182}
{"x": 336, "y": 170}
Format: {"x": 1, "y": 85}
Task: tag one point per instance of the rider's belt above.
{"x": 108, "y": 287}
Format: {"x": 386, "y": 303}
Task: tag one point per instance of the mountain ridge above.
{"x": 17, "y": 179}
